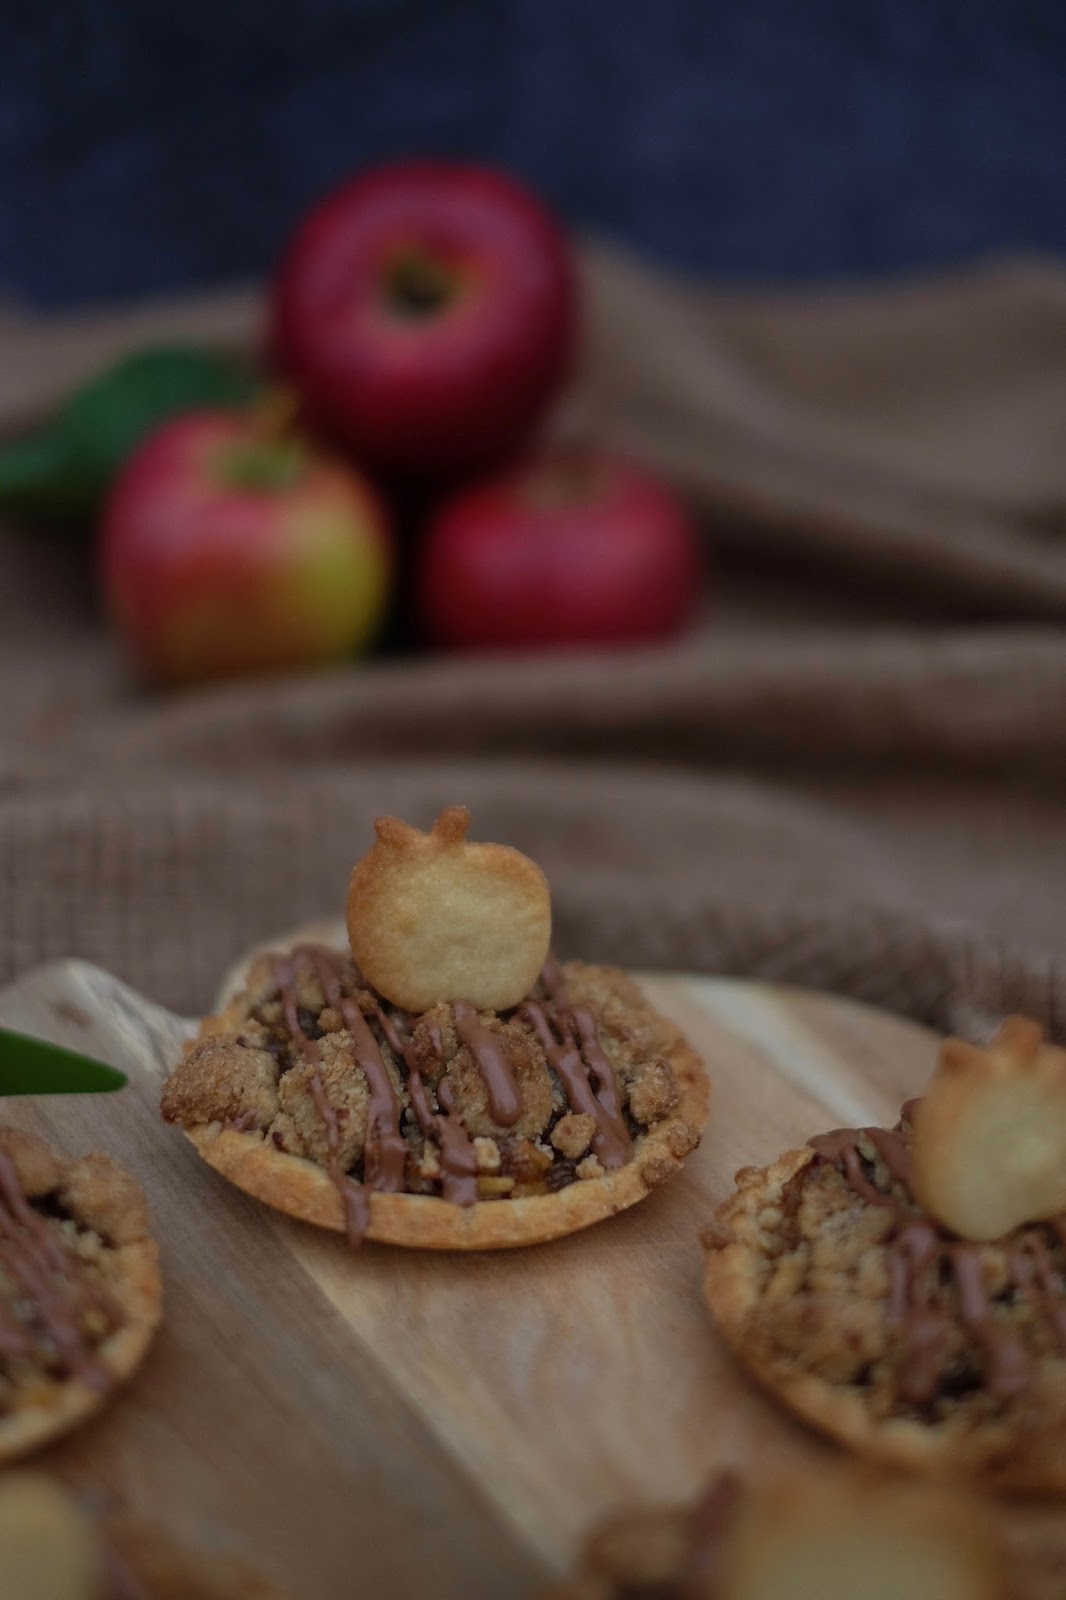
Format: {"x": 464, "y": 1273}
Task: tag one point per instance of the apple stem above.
{"x": 417, "y": 285}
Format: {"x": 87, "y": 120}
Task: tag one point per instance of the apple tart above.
{"x": 445, "y": 1083}
{"x": 905, "y": 1289}
{"x": 80, "y": 1293}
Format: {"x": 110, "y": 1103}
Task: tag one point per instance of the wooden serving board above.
{"x": 393, "y": 1424}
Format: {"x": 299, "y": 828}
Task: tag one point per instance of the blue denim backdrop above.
{"x": 148, "y": 145}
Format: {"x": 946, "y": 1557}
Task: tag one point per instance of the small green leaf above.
{"x": 62, "y": 473}
{"x": 33, "y": 1066}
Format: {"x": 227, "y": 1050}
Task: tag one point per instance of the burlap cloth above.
{"x": 853, "y": 776}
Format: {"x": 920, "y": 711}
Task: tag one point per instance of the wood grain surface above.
{"x": 382, "y": 1423}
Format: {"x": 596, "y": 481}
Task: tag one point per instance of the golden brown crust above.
{"x": 989, "y": 1145}
{"x": 302, "y": 1188}
{"x": 111, "y": 1216}
{"x": 1019, "y": 1446}
{"x": 432, "y": 917}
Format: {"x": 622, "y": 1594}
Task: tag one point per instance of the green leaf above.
{"x": 33, "y": 1066}
{"x": 62, "y": 473}
{"x": 35, "y": 482}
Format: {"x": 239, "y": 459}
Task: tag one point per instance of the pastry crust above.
{"x": 302, "y": 1188}
{"x": 1022, "y": 1445}
{"x": 111, "y": 1215}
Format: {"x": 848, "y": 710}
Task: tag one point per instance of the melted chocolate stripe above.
{"x": 1008, "y": 1362}
{"x": 611, "y": 1143}
{"x": 501, "y": 1086}
{"x": 385, "y": 1160}
{"x": 565, "y": 1058}
{"x": 916, "y": 1248}
{"x": 353, "y": 1195}
{"x": 612, "y": 1138}
{"x": 458, "y": 1158}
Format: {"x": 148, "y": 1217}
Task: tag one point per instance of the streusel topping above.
{"x": 468, "y": 1105}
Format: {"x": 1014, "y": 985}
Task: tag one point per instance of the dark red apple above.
{"x": 566, "y": 549}
{"x": 427, "y": 314}
{"x": 229, "y": 550}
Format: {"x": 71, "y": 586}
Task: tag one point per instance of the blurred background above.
{"x": 700, "y": 524}
{"x": 147, "y": 149}
{"x": 780, "y": 678}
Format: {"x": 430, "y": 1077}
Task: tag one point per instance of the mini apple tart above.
{"x": 80, "y": 1294}
{"x": 824, "y": 1537}
{"x": 445, "y": 1084}
{"x": 905, "y": 1289}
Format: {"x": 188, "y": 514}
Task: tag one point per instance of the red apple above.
{"x": 427, "y": 314}
{"x": 228, "y": 550}
{"x": 566, "y": 549}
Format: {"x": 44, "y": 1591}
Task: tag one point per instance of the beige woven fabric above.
{"x": 853, "y": 776}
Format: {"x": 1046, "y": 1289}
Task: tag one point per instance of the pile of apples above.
{"x": 423, "y": 319}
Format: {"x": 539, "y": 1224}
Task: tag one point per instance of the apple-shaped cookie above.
{"x": 432, "y": 917}
{"x": 989, "y": 1147}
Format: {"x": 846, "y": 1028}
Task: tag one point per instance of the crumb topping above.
{"x": 453, "y": 1102}
{"x": 858, "y": 1285}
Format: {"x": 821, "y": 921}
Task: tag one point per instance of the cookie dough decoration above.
{"x": 52, "y": 1547}
{"x": 447, "y": 1084}
{"x": 906, "y": 1289}
{"x": 432, "y": 917}
{"x": 832, "y": 1537}
{"x": 990, "y": 1135}
{"x": 80, "y": 1294}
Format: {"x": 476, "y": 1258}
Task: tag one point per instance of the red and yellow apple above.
{"x": 229, "y": 550}
{"x": 427, "y": 314}
{"x": 570, "y": 548}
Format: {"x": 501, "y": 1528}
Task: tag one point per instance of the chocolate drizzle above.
{"x": 568, "y": 1035}
{"x": 1007, "y": 1359}
{"x": 385, "y": 1158}
{"x": 458, "y": 1158}
{"x": 353, "y": 1195}
{"x": 578, "y": 1059}
{"x": 921, "y": 1252}
{"x": 501, "y": 1085}
{"x": 611, "y": 1141}
{"x": 54, "y": 1285}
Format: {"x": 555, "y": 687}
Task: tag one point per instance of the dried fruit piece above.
{"x": 989, "y": 1145}
{"x": 434, "y": 918}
